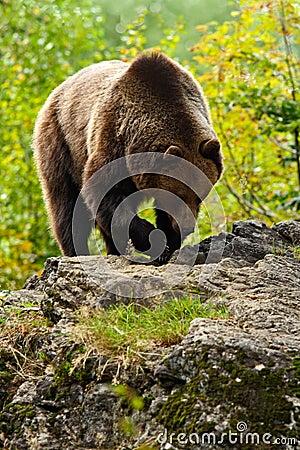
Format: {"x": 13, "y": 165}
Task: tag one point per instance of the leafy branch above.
{"x": 289, "y": 56}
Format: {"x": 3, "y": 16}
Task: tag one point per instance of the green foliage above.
{"x": 253, "y": 86}
{"x": 34, "y": 59}
{"x": 126, "y": 330}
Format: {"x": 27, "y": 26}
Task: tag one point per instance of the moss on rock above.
{"x": 231, "y": 392}
{"x": 12, "y": 419}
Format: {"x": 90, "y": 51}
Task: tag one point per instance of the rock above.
{"x": 230, "y": 383}
{"x": 249, "y": 241}
{"x": 289, "y": 230}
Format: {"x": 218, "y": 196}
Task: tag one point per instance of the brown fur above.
{"x": 113, "y": 109}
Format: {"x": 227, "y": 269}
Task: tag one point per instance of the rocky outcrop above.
{"x": 230, "y": 383}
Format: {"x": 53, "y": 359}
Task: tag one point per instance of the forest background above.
{"x": 244, "y": 53}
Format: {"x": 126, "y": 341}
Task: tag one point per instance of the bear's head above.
{"x": 180, "y": 179}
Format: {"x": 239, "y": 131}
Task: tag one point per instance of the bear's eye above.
{"x": 174, "y": 150}
{"x": 159, "y": 148}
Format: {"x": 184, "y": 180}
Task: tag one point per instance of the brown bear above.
{"x": 112, "y": 110}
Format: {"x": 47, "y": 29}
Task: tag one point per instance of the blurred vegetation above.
{"x": 244, "y": 53}
{"x": 253, "y": 81}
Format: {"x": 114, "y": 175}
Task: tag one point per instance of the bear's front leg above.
{"x": 139, "y": 232}
{"x": 119, "y": 224}
{"x": 117, "y": 228}
{"x": 115, "y": 215}
{"x": 111, "y": 198}
{"x": 150, "y": 240}
{"x": 164, "y": 223}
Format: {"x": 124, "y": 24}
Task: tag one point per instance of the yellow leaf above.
{"x": 26, "y": 247}
{"x": 202, "y": 28}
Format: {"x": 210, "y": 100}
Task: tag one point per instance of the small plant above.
{"x": 130, "y": 330}
{"x": 129, "y": 397}
{"x": 296, "y": 252}
{"x": 131, "y": 402}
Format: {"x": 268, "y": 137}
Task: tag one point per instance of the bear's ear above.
{"x": 210, "y": 149}
{"x": 174, "y": 150}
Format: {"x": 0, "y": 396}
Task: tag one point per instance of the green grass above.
{"x": 296, "y": 252}
{"x": 128, "y": 330}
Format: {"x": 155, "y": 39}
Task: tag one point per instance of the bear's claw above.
{"x": 164, "y": 257}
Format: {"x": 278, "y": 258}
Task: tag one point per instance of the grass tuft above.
{"x": 127, "y": 330}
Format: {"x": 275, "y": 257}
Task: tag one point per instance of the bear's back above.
{"x": 79, "y": 94}
{"x": 166, "y": 80}
{"x": 160, "y": 102}
{"x": 75, "y": 101}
